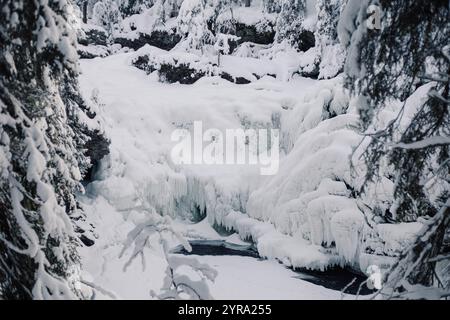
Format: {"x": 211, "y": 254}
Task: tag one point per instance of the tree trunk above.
{"x": 85, "y": 3}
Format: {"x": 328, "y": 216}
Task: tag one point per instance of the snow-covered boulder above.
{"x": 186, "y": 68}
{"x": 164, "y": 39}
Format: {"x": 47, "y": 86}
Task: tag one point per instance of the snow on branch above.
{"x": 428, "y": 142}
{"x": 179, "y": 283}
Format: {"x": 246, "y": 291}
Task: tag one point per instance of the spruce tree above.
{"x": 289, "y": 23}
{"x": 106, "y": 14}
{"x": 43, "y": 156}
{"x": 332, "y": 54}
{"x": 193, "y": 26}
{"x": 408, "y": 52}
{"x": 409, "y": 55}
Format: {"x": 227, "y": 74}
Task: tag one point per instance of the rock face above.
{"x": 251, "y": 33}
{"x": 183, "y": 73}
{"x": 159, "y": 38}
{"x": 96, "y": 148}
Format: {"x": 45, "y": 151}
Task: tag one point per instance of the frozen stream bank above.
{"x": 288, "y": 216}
{"x": 334, "y": 278}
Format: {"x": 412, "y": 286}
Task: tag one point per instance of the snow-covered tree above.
{"x": 271, "y": 6}
{"x": 172, "y": 8}
{"x": 290, "y": 21}
{"x": 164, "y": 10}
{"x": 186, "y": 278}
{"x": 86, "y": 7}
{"x": 106, "y": 14}
{"x": 400, "y": 74}
{"x": 130, "y": 7}
{"x": 332, "y": 53}
{"x": 222, "y": 45}
{"x": 219, "y": 7}
{"x": 393, "y": 65}
{"x": 191, "y": 284}
{"x": 193, "y": 25}
{"x": 43, "y": 137}
{"x": 414, "y": 275}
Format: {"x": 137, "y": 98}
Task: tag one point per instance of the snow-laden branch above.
{"x": 177, "y": 285}
{"x": 428, "y": 142}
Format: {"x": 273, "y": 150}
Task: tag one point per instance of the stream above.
{"x": 336, "y": 278}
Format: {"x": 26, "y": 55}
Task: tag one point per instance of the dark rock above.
{"x": 227, "y": 76}
{"x": 93, "y": 36}
{"x": 170, "y": 73}
{"x": 162, "y": 39}
{"x": 250, "y": 33}
{"x": 305, "y": 40}
{"x": 96, "y": 148}
{"x": 241, "y": 80}
{"x": 237, "y": 80}
{"x": 143, "y": 63}
{"x": 86, "y": 241}
{"x": 247, "y": 33}
{"x": 181, "y": 73}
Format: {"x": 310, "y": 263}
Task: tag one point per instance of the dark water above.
{"x": 218, "y": 248}
{"x": 335, "y": 278}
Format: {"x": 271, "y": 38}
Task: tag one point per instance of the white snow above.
{"x": 398, "y": 236}
{"x": 102, "y": 265}
{"x": 244, "y": 278}
{"x": 304, "y": 216}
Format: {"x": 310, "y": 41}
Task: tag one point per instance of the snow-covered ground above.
{"x": 238, "y": 277}
{"x": 247, "y": 278}
{"x": 139, "y": 115}
{"x": 303, "y": 216}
